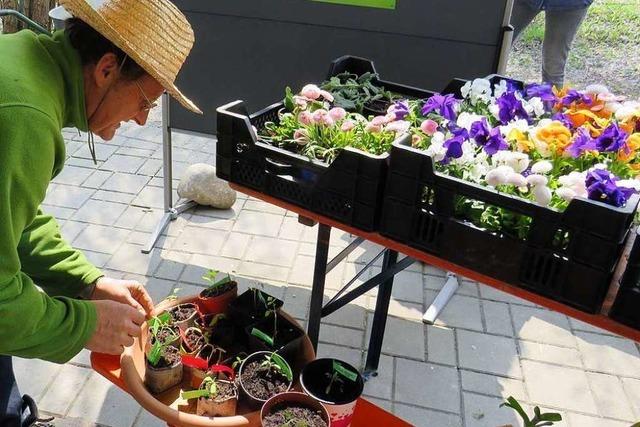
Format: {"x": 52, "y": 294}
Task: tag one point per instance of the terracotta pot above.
{"x": 315, "y": 378}
{"x": 219, "y": 303}
{"x": 219, "y": 408}
{"x": 292, "y": 398}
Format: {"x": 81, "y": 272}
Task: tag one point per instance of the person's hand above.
{"x": 117, "y": 325}
{"x": 125, "y": 291}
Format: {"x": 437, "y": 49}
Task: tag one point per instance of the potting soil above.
{"x": 294, "y": 416}
{"x": 263, "y": 384}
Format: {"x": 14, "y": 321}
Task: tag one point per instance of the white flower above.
{"x": 535, "y": 180}
{"x": 499, "y": 175}
{"x": 516, "y": 179}
{"x": 596, "y": 89}
{"x": 494, "y": 109}
{"x": 468, "y": 154}
{"x": 514, "y": 159}
{"x": 399, "y": 126}
{"x": 500, "y": 89}
{"x": 465, "y": 119}
{"x": 627, "y": 111}
{"x": 535, "y": 106}
{"x": 574, "y": 181}
{"x": 478, "y": 169}
{"x": 542, "y": 195}
{"x": 477, "y": 90}
{"x": 436, "y": 151}
{"x": 629, "y": 183}
{"x": 437, "y": 138}
{"x": 565, "y": 193}
{"x": 521, "y": 124}
{"x": 541, "y": 167}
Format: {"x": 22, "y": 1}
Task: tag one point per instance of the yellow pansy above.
{"x": 555, "y": 135}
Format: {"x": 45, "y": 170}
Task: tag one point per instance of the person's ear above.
{"x": 106, "y": 70}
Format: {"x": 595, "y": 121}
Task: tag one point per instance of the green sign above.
{"x": 380, "y": 4}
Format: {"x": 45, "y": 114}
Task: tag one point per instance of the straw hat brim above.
{"x": 82, "y": 10}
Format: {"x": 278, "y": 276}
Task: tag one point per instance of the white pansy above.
{"x": 500, "y": 89}
{"x": 499, "y": 175}
{"x": 466, "y": 89}
{"x": 596, "y": 89}
{"x": 566, "y": 193}
{"x": 541, "y": 167}
{"x": 437, "y": 138}
{"x": 477, "y": 90}
{"x": 521, "y": 124}
{"x": 629, "y": 183}
{"x": 572, "y": 178}
{"x": 519, "y": 162}
{"x": 542, "y": 195}
{"x": 516, "y": 179}
{"x": 535, "y": 180}
{"x": 437, "y": 150}
{"x": 494, "y": 109}
{"x": 468, "y": 154}
{"x": 536, "y": 105}
{"x": 465, "y": 119}
{"x": 627, "y": 111}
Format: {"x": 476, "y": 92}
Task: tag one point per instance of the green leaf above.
{"x": 155, "y": 353}
{"x": 210, "y": 276}
{"x": 551, "y": 416}
{"x": 513, "y": 404}
{"x": 283, "y": 365}
{"x": 194, "y": 394}
{"x": 165, "y": 317}
{"x": 261, "y": 335}
{"x": 288, "y": 99}
{"x": 347, "y": 373}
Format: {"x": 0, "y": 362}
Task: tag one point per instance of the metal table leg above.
{"x": 170, "y": 212}
{"x": 380, "y": 316}
{"x": 317, "y": 292}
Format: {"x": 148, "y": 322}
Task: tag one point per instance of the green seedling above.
{"x": 211, "y": 278}
{"x": 539, "y": 419}
{"x": 339, "y": 374}
{"x": 275, "y": 363}
{"x": 208, "y": 389}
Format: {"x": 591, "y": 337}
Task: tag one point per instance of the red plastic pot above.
{"x": 219, "y": 303}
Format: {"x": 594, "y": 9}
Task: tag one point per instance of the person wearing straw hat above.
{"x": 109, "y": 64}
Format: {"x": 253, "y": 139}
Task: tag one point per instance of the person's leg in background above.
{"x": 10, "y": 399}
{"x": 561, "y": 27}
{"x": 523, "y": 13}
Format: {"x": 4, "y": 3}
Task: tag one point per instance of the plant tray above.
{"x": 568, "y": 256}
{"x": 169, "y": 406}
{"x": 349, "y": 190}
{"x": 626, "y": 307}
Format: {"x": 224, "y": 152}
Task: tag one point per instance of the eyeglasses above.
{"x": 149, "y": 105}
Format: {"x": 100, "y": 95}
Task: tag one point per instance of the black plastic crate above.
{"x": 568, "y": 256}
{"x": 348, "y": 190}
{"x": 626, "y": 307}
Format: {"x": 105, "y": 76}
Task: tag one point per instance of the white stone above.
{"x": 200, "y": 184}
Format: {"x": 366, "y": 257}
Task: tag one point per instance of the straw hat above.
{"x": 154, "y": 33}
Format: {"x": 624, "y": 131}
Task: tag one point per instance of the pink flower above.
{"x": 337, "y": 113}
{"x": 311, "y": 92}
{"x": 379, "y": 120}
{"x": 301, "y": 136}
{"x": 429, "y": 127}
{"x": 399, "y": 126}
{"x": 347, "y": 125}
{"x": 373, "y": 127}
{"x": 326, "y": 95}
{"x": 300, "y": 101}
{"x": 305, "y": 117}
{"x": 322, "y": 117}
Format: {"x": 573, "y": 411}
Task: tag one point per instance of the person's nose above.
{"x": 141, "y": 117}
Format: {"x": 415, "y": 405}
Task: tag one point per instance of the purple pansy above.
{"x": 542, "y": 91}
{"x": 511, "y": 108}
{"x": 445, "y": 105}
{"x": 400, "y": 109}
{"x": 612, "y": 139}
{"x": 490, "y": 139}
{"x": 581, "y": 143}
{"x": 601, "y": 186}
{"x": 575, "y": 96}
{"x": 564, "y": 119}
{"x": 454, "y": 144}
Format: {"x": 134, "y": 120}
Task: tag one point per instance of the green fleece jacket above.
{"x": 41, "y": 91}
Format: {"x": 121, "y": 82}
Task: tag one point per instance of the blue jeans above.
{"x": 560, "y": 28}
{"x": 14, "y": 410}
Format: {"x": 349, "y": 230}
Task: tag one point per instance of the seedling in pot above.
{"x": 293, "y": 409}
{"x": 270, "y": 303}
{"x": 218, "y": 295}
{"x": 184, "y": 315}
{"x": 539, "y": 420}
{"x": 263, "y": 375}
{"x": 162, "y": 333}
{"x": 193, "y": 341}
{"x": 215, "y": 397}
{"x": 164, "y": 367}
{"x": 339, "y": 375}
{"x": 217, "y": 285}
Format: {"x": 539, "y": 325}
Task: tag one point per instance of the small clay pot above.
{"x": 218, "y": 303}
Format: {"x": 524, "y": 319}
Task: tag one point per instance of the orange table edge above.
{"x": 597, "y": 320}
{"x": 366, "y": 415}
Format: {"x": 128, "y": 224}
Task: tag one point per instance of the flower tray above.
{"x": 169, "y": 406}
{"x": 348, "y": 190}
{"x": 626, "y": 307}
{"x": 568, "y": 256}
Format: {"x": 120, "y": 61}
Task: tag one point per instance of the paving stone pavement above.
{"x": 486, "y": 346}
